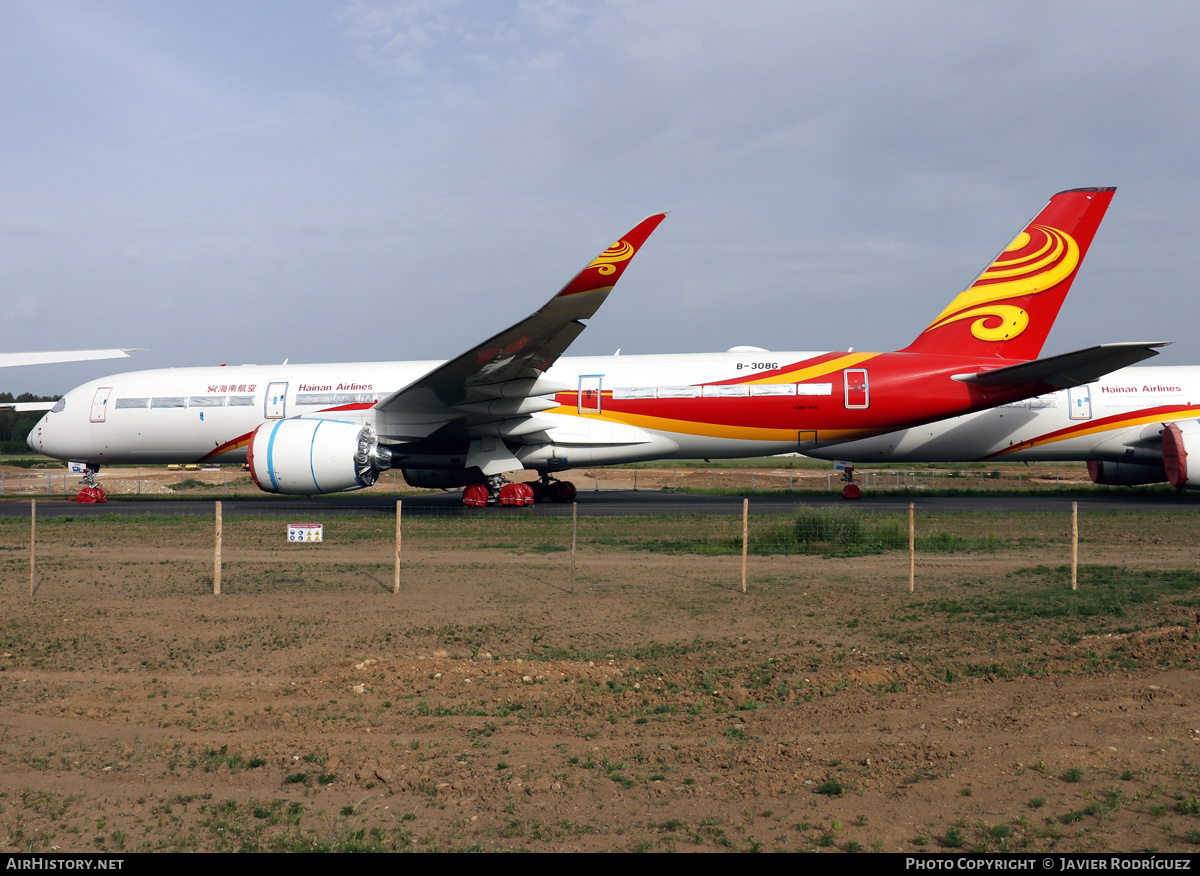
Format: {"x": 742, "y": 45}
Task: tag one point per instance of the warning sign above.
{"x": 305, "y": 532}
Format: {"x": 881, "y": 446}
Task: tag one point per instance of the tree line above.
{"x": 15, "y": 427}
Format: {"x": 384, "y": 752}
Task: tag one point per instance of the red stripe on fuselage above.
{"x": 1104, "y": 424}
{"x": 234, "y": 444}
{"x": 904, "y": 390}
{"x": 243, "y": 440}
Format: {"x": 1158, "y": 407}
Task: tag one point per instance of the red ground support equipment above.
{"x": 91, "y": 495}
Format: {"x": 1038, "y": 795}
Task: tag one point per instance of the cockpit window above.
{"x": 59, "y": 406}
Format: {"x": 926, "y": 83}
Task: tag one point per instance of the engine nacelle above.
{"x": 442, "y": 478}
{"x": 1161, "y": 454}
{"x": 1125, "y": 474}
{"x": 301, "y": 457}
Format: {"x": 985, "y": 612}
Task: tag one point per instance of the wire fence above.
{"x": 516, "y": 552}
{"x": 230, "y": 481}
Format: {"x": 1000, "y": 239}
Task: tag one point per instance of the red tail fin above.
{"x": 1009, "y": 309}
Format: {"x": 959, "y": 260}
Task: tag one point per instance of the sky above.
{"x": 231, "y": 182}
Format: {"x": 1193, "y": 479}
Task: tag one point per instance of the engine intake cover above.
{"x": 1175, "y": 457}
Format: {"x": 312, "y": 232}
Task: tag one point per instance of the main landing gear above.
{"x": 555, "y": 491}
{"x": 92, "y": 493}
{"x": 496, "y": 492}
{"x": 851, "y": 490}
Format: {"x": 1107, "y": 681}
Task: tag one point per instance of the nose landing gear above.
{"x": 92, "y": 492}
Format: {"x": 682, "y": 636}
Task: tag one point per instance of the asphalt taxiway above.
{"x": 608, "y": 503}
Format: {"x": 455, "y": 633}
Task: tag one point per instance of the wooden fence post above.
{"x": 1074, "y": 545}
{"x": 396, "y": 579}
{"x": 32, "y": 545}
{"x": 745, "y": 538}
{"x": 912, "y": 554}
{"x": 217, "y": 554}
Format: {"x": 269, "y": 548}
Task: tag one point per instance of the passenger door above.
{"x": 1079, "y": 400}
{"x": 858, "y": 393}
{"x": 276, "y": 400}
{"x": 100, "y": 404}
{"x": 589, "y": 393}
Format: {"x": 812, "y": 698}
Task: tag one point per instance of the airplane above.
{"x": 1133, "y": 427}
{"x": 514, "y": 402}
{"x": 17, "y": 360}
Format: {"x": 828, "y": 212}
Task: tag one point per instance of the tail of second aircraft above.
{"x": 1009, "y": 309}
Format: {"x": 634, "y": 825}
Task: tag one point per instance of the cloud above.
{"x": 837, "y": 171}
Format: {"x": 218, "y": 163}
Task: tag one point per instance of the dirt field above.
{"x": 657, "y": 708}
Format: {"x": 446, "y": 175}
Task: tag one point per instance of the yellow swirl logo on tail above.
{"x": 606, "y": 262}
{"x": 1038, "y": 259}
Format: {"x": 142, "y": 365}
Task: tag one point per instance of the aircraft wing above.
{"x": 499, "y": 378}
{"x": 24, "y": 407}
{"x": 12, "y": 360}
{"x": 1068, "y": 369}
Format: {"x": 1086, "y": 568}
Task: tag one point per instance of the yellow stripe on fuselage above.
{"x": 1097, "y": 430}
{"x": 713, "y": 430}
{"x": 817, "y": 370}
{"x": 742, "y": 433}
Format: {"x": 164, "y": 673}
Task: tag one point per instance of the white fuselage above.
{"x": 190, "y": 414}
{"x": 1105, "y": 420}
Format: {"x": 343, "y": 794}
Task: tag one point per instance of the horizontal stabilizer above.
{"x": 1068, "y": 369}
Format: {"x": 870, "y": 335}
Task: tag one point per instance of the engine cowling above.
{"x": 302, "y": 457}
{"x": 1159, "y": 453}
{"x": 442, "y": 478}
{"x": 1125, "y": 474}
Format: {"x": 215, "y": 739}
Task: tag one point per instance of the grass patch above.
{"x": 1103, "y": 591}
{"x": 829, "y": 532}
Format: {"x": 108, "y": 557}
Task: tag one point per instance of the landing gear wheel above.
{"x": 562, "y": 491}
{"x": 519, "y": 495}
{"x": 476, "y": 496}
{"x": 851, "y": 490}
{"x": 91, "y": 495}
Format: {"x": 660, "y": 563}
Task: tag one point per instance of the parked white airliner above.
{"x": 1135, "y": 426}
{"x": 514, "y": 402}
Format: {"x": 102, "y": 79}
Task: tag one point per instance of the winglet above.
{"x": 604, "y": 270}
{"x": 1009, "y": 309}
{"x": 511, "y": 364}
